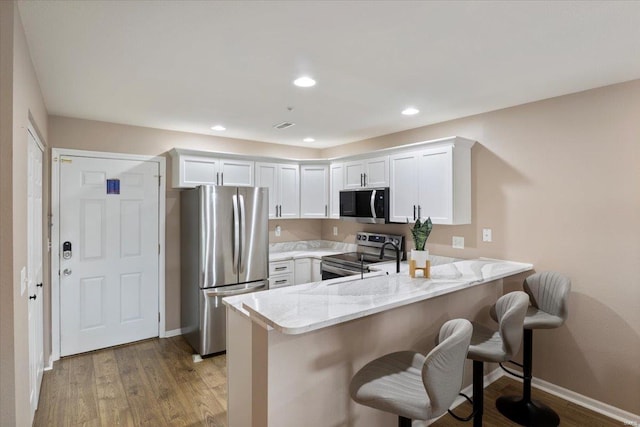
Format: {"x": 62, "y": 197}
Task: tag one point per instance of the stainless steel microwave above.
{"x": 369, "y": 205}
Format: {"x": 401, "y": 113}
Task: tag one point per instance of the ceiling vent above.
{"x": 283, "y": 125}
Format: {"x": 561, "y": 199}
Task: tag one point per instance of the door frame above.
{"x": 55, "y": 234}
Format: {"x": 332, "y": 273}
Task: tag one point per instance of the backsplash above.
{"x": 311, "y": 244}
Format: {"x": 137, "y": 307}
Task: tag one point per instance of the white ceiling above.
{"x": 188, "y": 65}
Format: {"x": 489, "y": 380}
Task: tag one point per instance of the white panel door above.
{"x": 435, "y": 172}
{"x": 354, "y": 174}
{"x": 404, "y": 186}
{"x": 314, "y": 191}
{"x": 34, "y": 271}
{"x": 336, "y": 185}
{"x": 377, "y": 172}
{"x": 109, "y": 280}
{"x": 267, "y": 176}
{"x": 236, "y": 173}
{"x": 289, "y": 191}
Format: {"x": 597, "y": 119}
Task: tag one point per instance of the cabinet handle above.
{"x": 217, "y": 178}
{"x": 419, "y": 213}
{"x": 281, "y": 268}
{"x": 281, "y": 281}
{"x": 414, "y": 212}
{"x": 365, "y": 179}
{"x": 361, "y": 180}
{"x": 221, "y": 178}
{"x": 34, "y": 296}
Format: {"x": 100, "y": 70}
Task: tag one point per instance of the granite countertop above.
{"x": 303, "y": 308}
{"x": 306, "y": 253}
{"x": 307, "y": 249}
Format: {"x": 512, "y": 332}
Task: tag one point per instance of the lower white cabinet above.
{"x": 316, "y": 272}
{"x": 302, "y": 270}
{"x": 281, "y": 273}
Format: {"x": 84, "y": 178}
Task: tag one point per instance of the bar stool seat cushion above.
{"x": 486, "y": 344}
{"x": 414, "y": 386}
{"x": 539, "y": 319}
{"x": 393, "y": 383}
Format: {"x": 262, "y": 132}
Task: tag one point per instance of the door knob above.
{"x": 34, "y": 296}
{"x": 66, "y": 272}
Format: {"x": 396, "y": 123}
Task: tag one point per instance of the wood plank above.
{"x": 112, "y": 400}
{"x": 83, "y": 403}
{"x": 54, "y": 396}
{"x": 142, "y": 403}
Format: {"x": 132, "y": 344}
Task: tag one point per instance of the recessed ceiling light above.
{"x": 304, "y": 82}
{"x": 410, "y": 111}
{"x": 308, "y": 140}
{"x": 218, "y": 128}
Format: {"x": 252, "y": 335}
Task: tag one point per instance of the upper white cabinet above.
{"x": 191, "y": 170}
{"x": 367, "y": 173}
{"x": 283, "y": 181}
{"x": 314, "y": 191}
{"x": 434, "y": 181}
{"x": 336, "y": 184}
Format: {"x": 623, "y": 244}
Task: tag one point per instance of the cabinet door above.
{"x": 237, "y": 173}
{"x": 316, "y": 272}
{"x": 314, "y": 191}
{"x": 302, "y": 271}
{"x": 289, "y": 191}
{"x": 353, "y": 175}
{"x": 435, "y": 174}
{"x": 196, "y": 170}
{"x": 266, "y": 176}
{"x": 336, "y": 185}
{"x": 377, "y": 172}
{"x": 403, "y": 186}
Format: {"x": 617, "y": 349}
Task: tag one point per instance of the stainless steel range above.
{"x": 367, "y": 253}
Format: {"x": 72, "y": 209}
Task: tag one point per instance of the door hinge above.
{"x": 159, "y": 179}
{"x": 158, "y": 317}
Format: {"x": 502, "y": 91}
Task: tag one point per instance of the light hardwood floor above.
{"x": 155, "y": 383}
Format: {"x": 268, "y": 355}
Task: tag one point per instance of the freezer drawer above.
{"x": 212, "y": 334}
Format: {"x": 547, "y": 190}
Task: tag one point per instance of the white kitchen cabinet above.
{"x": 314, "y": 191}
{"x": 281, "y": 273}
{"x": 367, "y": 173}
{"x": 336, "y": 184}
{"x": 316, "y": 271}
{"x": 190, "y": 170}
{"x": 432, "y": 182}
{"x": 302, "y": 271}
{"x": 283, "y": 182}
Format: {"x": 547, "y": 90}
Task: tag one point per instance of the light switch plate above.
{"x": 486, "y": 235}
{"x": 278, "y": 231}
{"x": 457, "y": 242}
{"x": 335, "y": 231}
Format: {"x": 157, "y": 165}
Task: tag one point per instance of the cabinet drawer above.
{"x": 280, "y": 280}
{"x": 280, "y": 267}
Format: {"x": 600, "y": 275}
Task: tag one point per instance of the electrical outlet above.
{"x": 278, "y": 231}
{"x": 486, "y": 235}
{"x": 457, "y": 242}
{"x": 335, "y": 231}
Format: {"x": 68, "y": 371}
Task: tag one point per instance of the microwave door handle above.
{"x": 236, "y": 234}
{"x": 373, "y": 204}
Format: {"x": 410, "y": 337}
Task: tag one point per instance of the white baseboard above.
{"x": 625, "y": 417}
{"x": 172, "y": 333}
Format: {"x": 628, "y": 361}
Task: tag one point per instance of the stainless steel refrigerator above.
{"x": 224, "y": 241}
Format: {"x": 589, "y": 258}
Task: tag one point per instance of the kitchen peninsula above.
{"x": 292, "y": 351}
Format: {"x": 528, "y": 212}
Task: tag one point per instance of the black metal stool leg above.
{"x": 478, "y": 392}
{"x": 523, "y": 410}
{"x": 404, "y": 422}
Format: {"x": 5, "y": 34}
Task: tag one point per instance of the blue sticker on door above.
{"x": 113, "y": 186}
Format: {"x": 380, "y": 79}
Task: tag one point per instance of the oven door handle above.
{"x": 337, "y": 270}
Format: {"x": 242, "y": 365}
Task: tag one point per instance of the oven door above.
{"x": 333, "y": 271}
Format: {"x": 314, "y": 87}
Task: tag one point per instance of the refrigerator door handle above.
{"x": 236, "y": 234}
{"x": 216, "y": 293}
{"x": 243, "y": 233}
